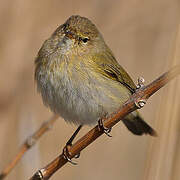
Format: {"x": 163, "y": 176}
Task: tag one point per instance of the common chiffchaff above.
{"x": 80, "y": 79}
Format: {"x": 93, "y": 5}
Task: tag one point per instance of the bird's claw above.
{"x": 140, "y": 82}
{"x": 140, "y": 103}
{"x": 66, "y": 155}
{"x": 103, "y": 128}
{"x": 77, "y": 156}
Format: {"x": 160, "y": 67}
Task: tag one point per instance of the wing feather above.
{"x": 109, "y": 67}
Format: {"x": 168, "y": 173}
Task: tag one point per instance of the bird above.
{"x": 80, "y": 79}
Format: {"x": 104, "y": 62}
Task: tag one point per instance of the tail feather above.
{"x": 138, "y": 126}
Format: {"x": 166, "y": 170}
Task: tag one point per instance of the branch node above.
{"x": 38, "y": 175}
{"x": 30, "y": 141}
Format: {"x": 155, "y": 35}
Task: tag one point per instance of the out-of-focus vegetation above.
{"x": 142, "y": 35}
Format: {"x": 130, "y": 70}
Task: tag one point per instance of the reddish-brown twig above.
{"x": 141, "y": 95}
{"x": 30, "y": 141}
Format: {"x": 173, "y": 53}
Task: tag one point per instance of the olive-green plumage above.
{"x": 80, "y": 79}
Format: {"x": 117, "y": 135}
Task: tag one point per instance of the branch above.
{"x": 30, "y": 141}
{"x": 142, "y": 94}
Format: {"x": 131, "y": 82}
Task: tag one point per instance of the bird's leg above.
{"x": 68, "y": 144}
{"x": 103, "y": 128}
{"x": 74, "y": 135}
{"x": 140, "y": 103}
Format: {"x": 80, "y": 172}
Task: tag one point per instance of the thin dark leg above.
{"x": 74, "y": 135}
{"x": 69, "y": 143}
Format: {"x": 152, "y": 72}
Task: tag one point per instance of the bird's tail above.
{"x": 138, "y": 126}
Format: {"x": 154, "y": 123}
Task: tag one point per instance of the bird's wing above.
{"x": 109, "y": 67}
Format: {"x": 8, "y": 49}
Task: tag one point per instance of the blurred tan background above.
{"x": 142, "y": 35}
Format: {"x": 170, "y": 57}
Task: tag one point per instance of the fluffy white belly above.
{"x": 81, "y": 101}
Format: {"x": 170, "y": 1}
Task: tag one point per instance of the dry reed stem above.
{"x": 141, "y": 94}
{"x": 176, "y": 164}
{"x": 163, "y": 162}
{"x": 30, "y": 141}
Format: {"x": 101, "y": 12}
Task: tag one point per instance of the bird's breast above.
{"x": 79, "y": 94}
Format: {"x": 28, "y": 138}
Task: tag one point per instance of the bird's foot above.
{"x": 103, "y": 128}
{"x": 140, "y": 103}
{"x": 140, "y": 83}
{"x": 67, "y": 155}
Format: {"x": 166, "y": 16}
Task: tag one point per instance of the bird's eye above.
{"x": 85, "y": 40}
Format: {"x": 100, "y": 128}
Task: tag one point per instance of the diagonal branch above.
{"x": 30, "y": 141}
{"x": 142, "y": 94}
